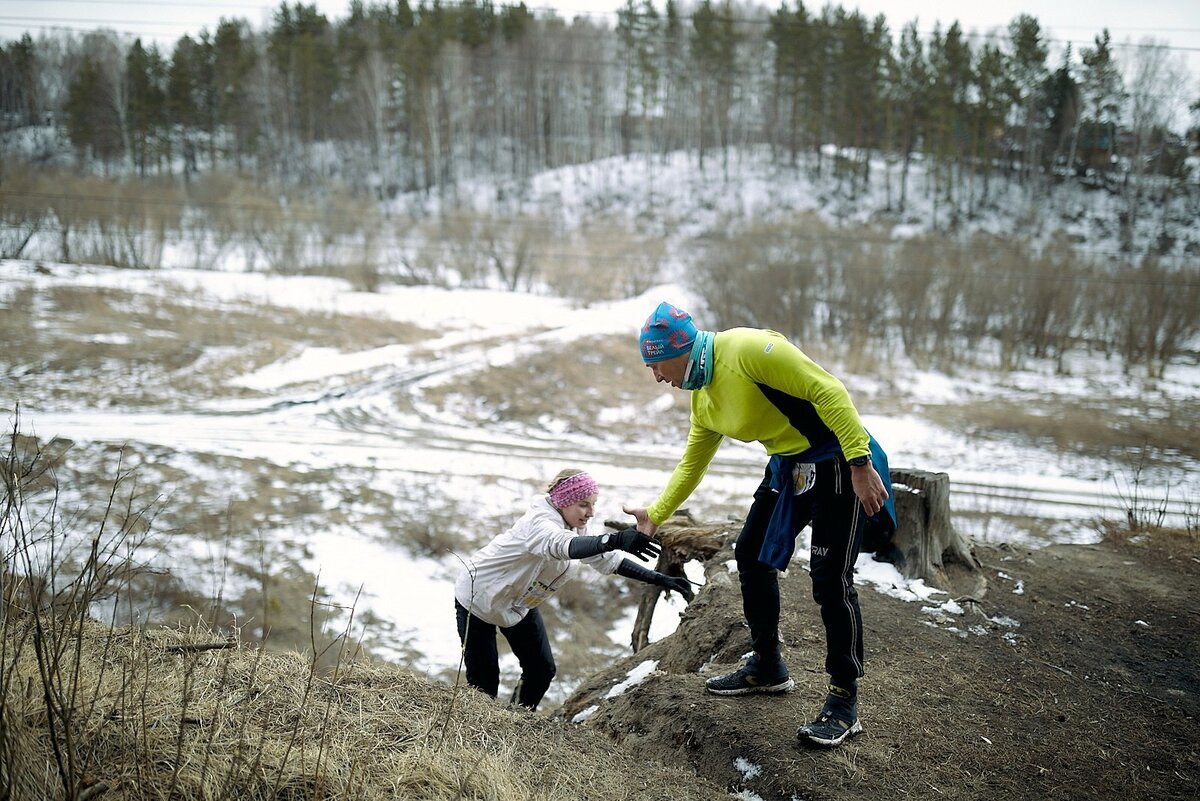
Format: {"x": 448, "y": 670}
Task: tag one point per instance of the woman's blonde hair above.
{"x": 562, "y": 476}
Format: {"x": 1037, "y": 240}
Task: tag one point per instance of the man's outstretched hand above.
{"x": 644, "y": 523}
{"x": 635, "y": 542}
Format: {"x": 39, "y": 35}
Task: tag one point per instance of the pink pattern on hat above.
{"x": 572, "y": 490}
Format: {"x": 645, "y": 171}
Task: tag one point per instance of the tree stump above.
{"x": 683, "y": 539}
{"x": 925, "y": 537}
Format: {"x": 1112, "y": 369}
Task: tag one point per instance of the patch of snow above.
{"x": 111, "y": 339}
{"x": 747, "y": 768}
{"x": 580, "y": 717}
{"x": 633, "y": 678}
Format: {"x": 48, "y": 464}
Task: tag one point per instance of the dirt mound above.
{"x": 1075, "y": 676}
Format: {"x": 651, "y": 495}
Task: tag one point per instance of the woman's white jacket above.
{"x": 522, "y": 567}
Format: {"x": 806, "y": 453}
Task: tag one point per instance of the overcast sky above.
{"x": 1175, "y": 22}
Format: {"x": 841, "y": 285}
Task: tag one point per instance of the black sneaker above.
{"x": 837, "y": 722}
{"x": 747, "y": 680}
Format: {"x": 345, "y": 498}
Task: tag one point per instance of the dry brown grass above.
{"x": 1089, "y": 426}
{"x": 63, "y": 341}
{"x": 153, "y": 716}
{"x": 571, "y": 387}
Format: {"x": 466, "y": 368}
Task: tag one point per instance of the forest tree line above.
{"x": 273, "y": 147}
{"x": 418, "y": 97}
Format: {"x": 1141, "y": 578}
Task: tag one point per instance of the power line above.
{"x": 271, "y": 6}
{"x": 53, "y": 23}
{"x": 87, "y": 21}
{"x": 183, "y": 5}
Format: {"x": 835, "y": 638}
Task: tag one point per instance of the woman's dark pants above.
{"x": 529, "y": 644}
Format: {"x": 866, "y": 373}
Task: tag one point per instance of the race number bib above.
{"x": 804, "y": 475}
{"x": 533, "y": 596}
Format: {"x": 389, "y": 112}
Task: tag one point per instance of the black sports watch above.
{"x": 858, "y": 461}
{"x": 606, "y": 541}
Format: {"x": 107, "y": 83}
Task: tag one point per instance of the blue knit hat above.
{"x": 668, "y": 332}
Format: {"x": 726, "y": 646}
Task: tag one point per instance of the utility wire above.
{"x": 56, "y": 22}
{"x": 636, "y": 14}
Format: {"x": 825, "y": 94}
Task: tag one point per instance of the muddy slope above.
{"x": 1074, "y": 677}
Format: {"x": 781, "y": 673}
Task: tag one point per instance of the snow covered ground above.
{"x": 325, "y": 409}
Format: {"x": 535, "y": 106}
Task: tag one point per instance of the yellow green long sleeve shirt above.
{"x": 763, "y": 389}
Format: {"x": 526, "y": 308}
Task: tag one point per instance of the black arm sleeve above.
{"x": 581, "y": 547}
{"x": 631, "y": 569}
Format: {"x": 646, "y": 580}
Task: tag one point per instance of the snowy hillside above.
{"x": 346, "y": 444}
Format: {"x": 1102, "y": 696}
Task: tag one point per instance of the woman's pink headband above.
{"x": 573, "y": 490}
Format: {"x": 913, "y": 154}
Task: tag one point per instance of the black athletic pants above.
{"x": 837, "y": 520}
{"x": 529, "y": 644}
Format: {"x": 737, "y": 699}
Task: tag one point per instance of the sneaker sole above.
{"x": 825, "y": 742}
{"x": 769, "y": 689}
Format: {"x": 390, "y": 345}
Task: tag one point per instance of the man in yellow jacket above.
{"x": 824, "y": 470}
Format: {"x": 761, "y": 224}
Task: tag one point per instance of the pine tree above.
{"x": 234, "y": 60}
{"x": 910, "y": 83}
{"x": 301, "y": 48}
{"x": 714, "y": 55}
{"x": 182, "y": 114}
{"x": 992, "y": 93}
{"x": 790, "y": 36}
{"x": 145, "y": 96}
{"x": 1062, "y": 113}
{"x": 639, "y": 36}
{"x": 1101, "y": 91}
{"x": 676, "y": 86}
{"x": 1027, "y": 63}
{"x": 950, "y": 81}
{"x": 855, "y": 52}
{"x": 93, "y": 120}
{"x": 20, "y": 101}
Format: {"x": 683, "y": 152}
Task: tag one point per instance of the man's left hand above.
{"x": 868, "y": 486}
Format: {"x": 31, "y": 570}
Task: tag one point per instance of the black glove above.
{"x": 635, "y": 542}
{"x": 680, "y": 585}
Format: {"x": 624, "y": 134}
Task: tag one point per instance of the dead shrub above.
{"x": 487, "y": 249}
{"x": 122, "y": 223}
{"x": 605, "y": 260}
{"x": 24, "y": 209}
{"x": 941, "y": 299}
{"x": 771, "y": 275}
{"x": 336, "y": 235}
